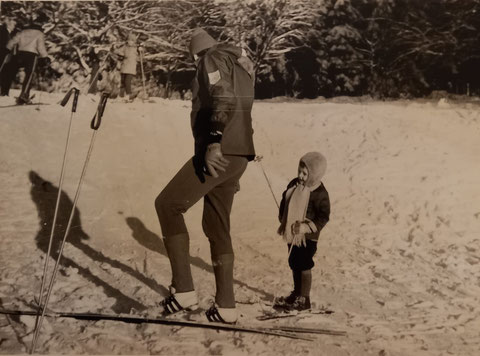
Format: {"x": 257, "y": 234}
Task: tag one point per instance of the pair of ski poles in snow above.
{"x": 94, "y": 125}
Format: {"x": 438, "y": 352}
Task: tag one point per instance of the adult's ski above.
{"x": 127, "y": 318}
{"x": 24, "y": 105}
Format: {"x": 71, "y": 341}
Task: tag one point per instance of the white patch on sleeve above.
{"x": 214, "y": 77}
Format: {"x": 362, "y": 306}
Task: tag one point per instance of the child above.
{"x": 304, "y": 211}
{"x": 129, "y": 52}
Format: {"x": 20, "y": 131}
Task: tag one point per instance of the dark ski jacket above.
{"x": 4, "y": 38}
{"x": 318, "y": 210}
{"x": 222, "y": 99}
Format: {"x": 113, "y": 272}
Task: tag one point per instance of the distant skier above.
{"x": 6, "y": 31}
{"x": 31, "y": 46}
{"x": 95, "y": 76}
{"x": 223, "y": 93}
{"x": 130, "y": 54}
{"x": 304, "y": 211}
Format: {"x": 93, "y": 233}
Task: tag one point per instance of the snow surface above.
{"x": 399, "y": 261}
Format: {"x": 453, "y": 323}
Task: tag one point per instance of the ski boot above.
{"x": 285, "y": 302}
{"x": 177, "y": 302}
{"x": 301, "y": 303}
{"x": 23, "y": 100}
{"x": 222, "y": 315}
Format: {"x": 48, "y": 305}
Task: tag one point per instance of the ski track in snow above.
{"x": 398, "y": 262}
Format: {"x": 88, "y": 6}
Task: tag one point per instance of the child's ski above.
{"x": 297, "y": 329}
{"x": 279, "y": 314}
{"x": 127, "y": 318}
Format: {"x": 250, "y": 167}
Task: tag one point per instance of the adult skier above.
{"x": 6, "y": 31}
{"x": 31, "y": 46}
{"x": 222, "y": 99}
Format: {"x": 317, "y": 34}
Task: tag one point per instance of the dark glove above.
{"x": 45, "y": 61}
{"x": 214, "y": 159}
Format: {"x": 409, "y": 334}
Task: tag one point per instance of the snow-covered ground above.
{"x": 399, "y": 261}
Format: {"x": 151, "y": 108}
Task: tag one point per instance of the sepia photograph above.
{"x": 240, "y": 177}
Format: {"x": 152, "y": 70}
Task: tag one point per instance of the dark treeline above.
{"x": 301, "y": 48}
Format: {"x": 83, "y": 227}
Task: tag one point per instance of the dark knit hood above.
{"x": 200, "y": 41}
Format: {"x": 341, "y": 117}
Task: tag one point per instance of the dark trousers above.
{"x": 187, "y": 187}
{"x": 301, "y": 258}
{"x": 6, "y": 75}
{"x": 126, "y": 84}
{"x": 28, "y": 61}
{"x": 94, "y": 78}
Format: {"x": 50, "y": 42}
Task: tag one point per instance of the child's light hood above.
{"x": 316, "y": 164}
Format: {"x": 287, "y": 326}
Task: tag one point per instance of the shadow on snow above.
{"x": 44, "y": 195}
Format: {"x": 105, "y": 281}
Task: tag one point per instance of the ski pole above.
{"x": 39, "y": 88}
{"x": 143, "y": 74}
{"x": 259, "y": 160}
{"x": 64, "y": 102}
{"x": 95, "y": 124}
{"x": 295, "y": 236}
{"x": 6, "y": 59}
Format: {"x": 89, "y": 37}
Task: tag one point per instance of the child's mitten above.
{"x": 300, "y": 228}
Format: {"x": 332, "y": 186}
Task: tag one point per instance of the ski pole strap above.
{"x": 65, "y": 100}
{"x": 97, "y": 118}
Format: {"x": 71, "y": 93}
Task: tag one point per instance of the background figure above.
{"x": 129, "y": 52}
{"x": 109, "y": 77}
{"x": 31, "y": 45}
{"x": 6, "y": 31}
{"x": 94, "y": 62}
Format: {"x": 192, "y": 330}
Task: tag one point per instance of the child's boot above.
{"x": 286, "y": 302}
{"x": 302, "y": 302}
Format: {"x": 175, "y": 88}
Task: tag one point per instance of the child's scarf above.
{"x": 296, "y": 198}
{"x": 296, "y": 204}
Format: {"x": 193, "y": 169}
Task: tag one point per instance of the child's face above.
{"x": 302, "y": 173}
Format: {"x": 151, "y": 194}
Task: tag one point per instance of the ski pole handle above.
{"x": 97, "y": 118}
{"x": 75, "y": 99}
{"x": 65, "y": 100}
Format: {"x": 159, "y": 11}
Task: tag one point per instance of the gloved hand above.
{"x": 214, "y": 159}
{"x": 45, "y": 61}
{"x": 299, "y": 229}
{"x": 299, "y": 240}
